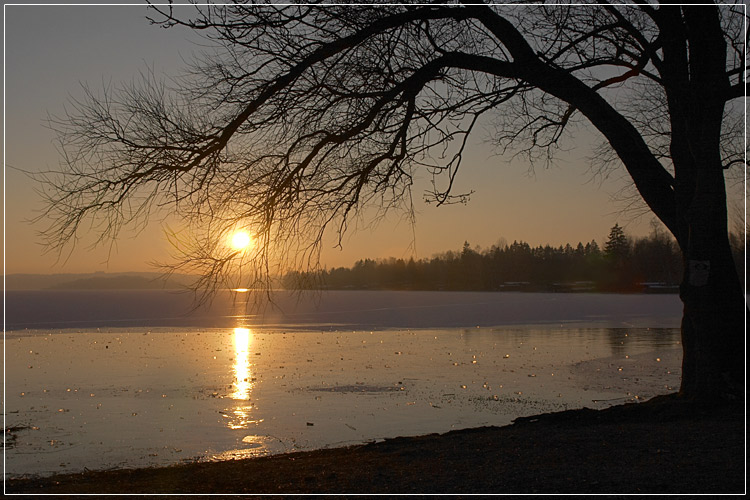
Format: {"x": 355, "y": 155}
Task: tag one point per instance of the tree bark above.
{"x": 714, "y": 314}
{"x": 714, "y": 303}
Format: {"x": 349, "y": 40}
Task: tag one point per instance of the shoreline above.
{"x": 664, "y": 445}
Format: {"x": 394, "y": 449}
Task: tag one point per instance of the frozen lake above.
{"x": 349, "y": 309}
{"x": 332, "y": 370}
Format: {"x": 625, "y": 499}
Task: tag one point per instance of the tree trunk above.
{"x": 713, "y": 322}
{"x": 714, "y": 304}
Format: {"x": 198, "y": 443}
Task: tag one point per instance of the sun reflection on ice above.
{"x": 240, "y": 417}
{"x": 243, "y": 380}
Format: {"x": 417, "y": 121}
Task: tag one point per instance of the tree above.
{"x": 656, "y": 257}
{"x": 617, "y": 253}
{"x": 305, "y": 114}
{"x": 617, "y": 246}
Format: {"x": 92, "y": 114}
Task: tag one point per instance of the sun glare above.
{"x": 241, "y": 240}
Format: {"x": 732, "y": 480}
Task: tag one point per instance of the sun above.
{"x": 240, "y": 240}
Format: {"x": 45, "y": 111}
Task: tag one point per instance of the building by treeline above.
{"x": 649, "y": 264}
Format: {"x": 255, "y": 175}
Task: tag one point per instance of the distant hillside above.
{"x": 95, "y": 281}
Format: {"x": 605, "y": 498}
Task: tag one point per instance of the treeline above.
{"x": 652, "y": 264}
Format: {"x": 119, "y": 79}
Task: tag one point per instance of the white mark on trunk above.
{"x": 698, "y": 272}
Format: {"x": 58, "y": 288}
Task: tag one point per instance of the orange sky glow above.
{"x": 50, "y": 49}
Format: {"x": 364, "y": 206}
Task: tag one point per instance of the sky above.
{"x": 51, "y": 50}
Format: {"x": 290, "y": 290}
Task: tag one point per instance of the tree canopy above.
{"x": 304, "y": 114}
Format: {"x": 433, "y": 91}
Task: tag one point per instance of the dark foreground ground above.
{"x": 662, "y": 446}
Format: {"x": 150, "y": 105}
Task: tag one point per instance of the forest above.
{"x": 651, "y": 264}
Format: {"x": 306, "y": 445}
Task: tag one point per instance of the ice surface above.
{"x": 126, "y": 397}
{"x": 350, "y": 309}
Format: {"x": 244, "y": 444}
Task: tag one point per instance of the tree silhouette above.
{"x": 617, "y": 250}
{"x": 617, "y": 245}
{"x": 654, "y": 259}
{"x": 303, "y": 115}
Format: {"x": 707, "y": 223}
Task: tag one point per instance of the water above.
{"x": 160, "y": 387}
